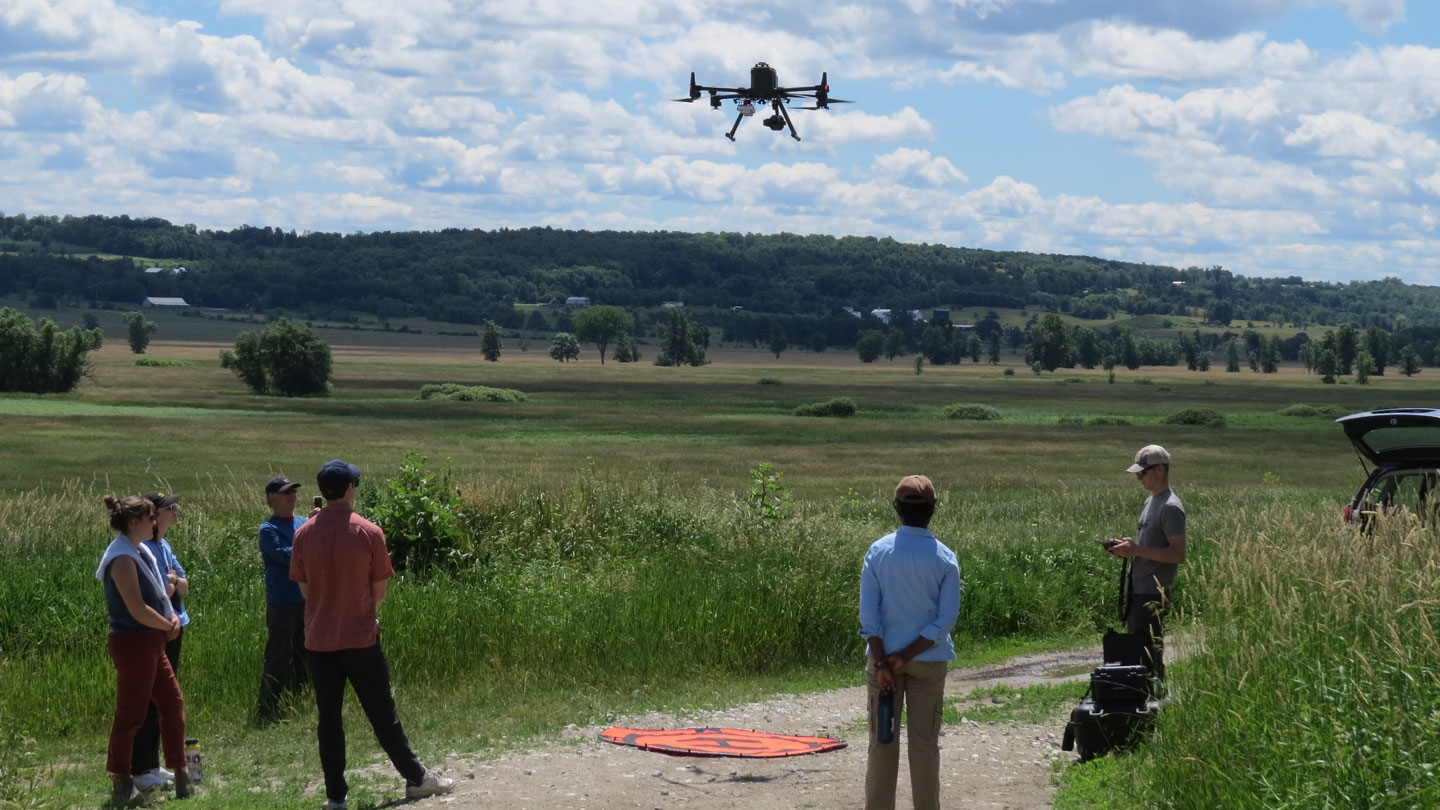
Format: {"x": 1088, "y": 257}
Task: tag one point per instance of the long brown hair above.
{"x": 124, "y": 510}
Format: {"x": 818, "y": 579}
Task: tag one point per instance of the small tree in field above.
{"x": 601, "y": 325}
{"x": 682, "y": 341}
{"x": 778, "y": 341}
{"x": 42, "y": 360}
{"x": 627, "y": 350}
{"x": 285, "y": 359}
{"x": 141, "y": 328}
{"x": 564, "y": 347}
{"x": 490, "y": 342}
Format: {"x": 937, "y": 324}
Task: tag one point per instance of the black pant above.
{"x": 284, "y": 657}
{"x": 146, "y": 757}
{"x": 369, "y": 675}
{"x": 1145, "y": 620}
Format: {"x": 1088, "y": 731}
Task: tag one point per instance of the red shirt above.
{"x": 338, "y": 554}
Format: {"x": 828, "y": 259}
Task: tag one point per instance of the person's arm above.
{"x": 127, "y": 582}
{"x": 304, "y": 590}
{"x": 273, "y": 547}
{"x": 181, "y": 582}
{"x": 377, "y": 590}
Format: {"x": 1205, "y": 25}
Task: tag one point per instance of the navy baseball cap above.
{"x": 280, "y": 484}
{"x": 336, "y": 475}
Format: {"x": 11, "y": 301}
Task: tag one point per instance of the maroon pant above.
{"x": 142, "y": 675}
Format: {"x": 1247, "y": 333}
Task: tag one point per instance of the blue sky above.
{"x": 1272, "y": 137}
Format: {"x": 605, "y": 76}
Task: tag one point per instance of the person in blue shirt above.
{"x": 909, "y": 602}
{"x": 145, "y": 766}
{"x": 284, "y": 606}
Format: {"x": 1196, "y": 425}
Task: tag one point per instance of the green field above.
{"x": 615, "y": 561}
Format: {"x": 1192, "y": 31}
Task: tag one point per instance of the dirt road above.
{"x": 983, "y": 766}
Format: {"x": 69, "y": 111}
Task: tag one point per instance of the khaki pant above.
{"x": 920, "y": 688}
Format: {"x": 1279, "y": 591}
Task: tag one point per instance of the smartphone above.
{"x": 319, "y": 501}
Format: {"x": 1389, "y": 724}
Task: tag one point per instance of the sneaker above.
{"x": 432, "y": 785}
{"x": 332, "y": 804}
{"x": 150, "y": 780}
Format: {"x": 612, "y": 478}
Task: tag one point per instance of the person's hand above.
{"x": 894, "y": 662}
{"x": 174, "y": 631}
{"x": 170, "y": 577}
{"x": 1125, "y": 548}
{"x": 884, "y": 677}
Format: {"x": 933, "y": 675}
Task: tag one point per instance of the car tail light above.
{"x": 1345, "y": 514}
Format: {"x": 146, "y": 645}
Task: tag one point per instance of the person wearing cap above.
{"x": 284, "y": 669}
{"x": 1157, "y": 549}
{"x": 145, "y": 765}
{"x": 909, "y": 602}
{"x": 342, "y": 566}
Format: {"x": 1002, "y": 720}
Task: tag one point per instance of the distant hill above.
{"x": 469, "y": 276}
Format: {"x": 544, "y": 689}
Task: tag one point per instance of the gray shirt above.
{"x": 1162, "y": 518}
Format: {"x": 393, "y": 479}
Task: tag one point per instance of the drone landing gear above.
{"x": 781, "y": 120}
{"x": 731, "y": 133}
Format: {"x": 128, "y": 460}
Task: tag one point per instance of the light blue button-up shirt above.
{"x": 910, "y": 587}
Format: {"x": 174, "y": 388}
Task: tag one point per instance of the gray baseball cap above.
{"x": 1149, "y": 456}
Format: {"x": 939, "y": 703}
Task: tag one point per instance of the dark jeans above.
{"x": 1147, "y": 610}
{"x": 369, "y": 675}
{"x": 147, "y": 739}
{"x": 284, "y": 657}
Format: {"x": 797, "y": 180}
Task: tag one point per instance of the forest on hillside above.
{"x": 743, "y": 284}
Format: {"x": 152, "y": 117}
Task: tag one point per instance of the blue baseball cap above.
{"x": 336, "y": 475}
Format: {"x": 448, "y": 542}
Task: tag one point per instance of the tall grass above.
{"x": 1317, "y": 684}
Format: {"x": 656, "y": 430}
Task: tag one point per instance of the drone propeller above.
{"x": 827, "y": 101}
{"x": 694, "y": 90}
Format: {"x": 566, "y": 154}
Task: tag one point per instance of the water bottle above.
{"x": 194, "y": 760}
{"x": 885, "y": 717}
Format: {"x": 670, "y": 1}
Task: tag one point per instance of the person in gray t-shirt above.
{"x": 1157, "y": 549}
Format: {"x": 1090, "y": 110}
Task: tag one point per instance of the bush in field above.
{"x": 1107, "y": 421}
{"x": 840, "y": 406}
{"x": 284, "y": 358}
{"x": 151, "y": 361}
{"x": 455, "y": 392}
{"x": 1198, "y": 417}
{"x": 421, "y": 515}
{"x": 970, "y": 410}
{"x": 1303, "y": 411}
{"x": 768, "y": 381}
{"x": 43, "y": 360}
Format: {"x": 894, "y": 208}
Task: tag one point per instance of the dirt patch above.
{"x": 984, "y": 766}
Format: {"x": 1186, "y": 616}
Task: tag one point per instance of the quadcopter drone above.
{"x": 762, "y": 89}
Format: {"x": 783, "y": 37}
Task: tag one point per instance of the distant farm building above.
{"x": 154, "y": 301}
{"x": 671, "y": 304}
{"x": 577, "y": 302}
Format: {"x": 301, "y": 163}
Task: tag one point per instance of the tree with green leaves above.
{"x": 1377, "y": 343}
{"x": 1049, "y": 343}
{"x": 490, "y": 342}
{"x": 43, "y": 360}
{"x": 1232, "y": 355}
{"x": 894, "y": 345}
{"x": 1347, "y": 344}
{"x": 682, "y": 341}
{"x": 284, "y": 359}
{"x": 870, "y": 345}
{"x": 1364, "y": 367}
{"x": 1128, "y": 348}
{"x": 995, "y": 348}
{"x": 564, "y": 347}
{"x": 778, "y": 341}
{"x": 140, "y": 329}
{"x": 627, "y": 350}
{"x": 601, "y": 325}
{"x": 1409, "y": 361}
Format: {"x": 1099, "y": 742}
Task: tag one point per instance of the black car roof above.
{"x": 1395, "y": 435}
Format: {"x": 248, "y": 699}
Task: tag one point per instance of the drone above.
{"x": 762, "y": 89}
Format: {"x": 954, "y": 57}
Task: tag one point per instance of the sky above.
{"x": 1270, "y": 137}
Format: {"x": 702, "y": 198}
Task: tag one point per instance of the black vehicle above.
{"x": 1401, "y": 447}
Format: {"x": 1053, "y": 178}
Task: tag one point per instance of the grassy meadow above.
{"x": 617, "y": 561}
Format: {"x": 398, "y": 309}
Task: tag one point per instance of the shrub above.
{"x": 1144, "y": 381}
{"x": 151, "y": 361}
{"x": 1108, "y": 421}
{"x": 840, "y": 406}
{"x": 453, "y": 392}
{"x": 1072, "y": 420}
{"x": 767, "y": 381}
{"x": 971, "y": 410}
{"x": 284, "y": 358}
{"x": 1071, "y": 381}
{"x": 1305, "y": 411}
{"x": 43, "y": 360}
{"x": 1009, "y": 372}
{"x": 1199, "y": 417}
{"x": 421, "y": 515}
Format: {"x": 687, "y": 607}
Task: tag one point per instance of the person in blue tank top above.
{"x": 142, "y": 619}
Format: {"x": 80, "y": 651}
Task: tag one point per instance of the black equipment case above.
{"x": 1120, "y": 704}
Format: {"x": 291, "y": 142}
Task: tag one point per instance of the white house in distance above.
{"x": 156, "y": 301}
{"x": 577, "y": 302}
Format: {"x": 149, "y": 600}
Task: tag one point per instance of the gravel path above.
{"x": 984, "y": 766}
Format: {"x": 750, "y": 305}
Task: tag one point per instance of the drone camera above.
{"x": 775, "y": 122}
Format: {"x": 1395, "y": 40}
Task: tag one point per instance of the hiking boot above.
{"x": 148, "y": 781}
{"x": 333, "y": 804}
{"x": 432, "y": 785}
{"x": 184, "y": 788}
{"x": 123, "y": 792}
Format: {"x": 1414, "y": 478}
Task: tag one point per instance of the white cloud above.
{"x": 917, "y": 167}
